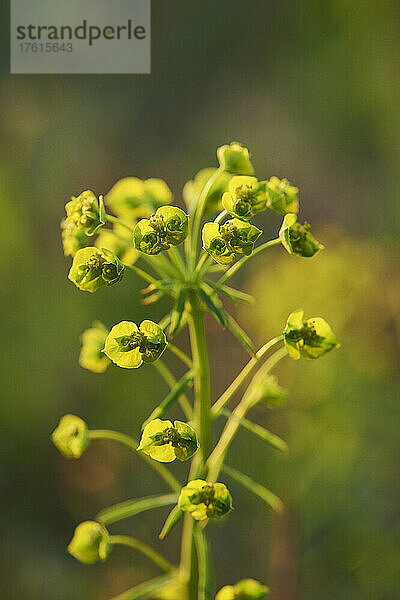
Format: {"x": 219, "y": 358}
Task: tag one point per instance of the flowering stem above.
{"x": 140, "y": 273}
{"x": 116, "y": 221}
{"x": 132, "y": 444}
{"x": 181, "y": 355}
{"x": 126, "y": 540}
{"x": 234, "y": 268}
{"x": 217, "y": 457}
{"x": 171, "y": 382}
{"x": 243, "y": 375}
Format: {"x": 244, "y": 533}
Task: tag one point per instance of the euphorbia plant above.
{"x": 147, "y": 228}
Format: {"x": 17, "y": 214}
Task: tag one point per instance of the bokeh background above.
{"x": 313, "y": 88}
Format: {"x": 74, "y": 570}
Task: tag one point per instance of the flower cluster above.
{"x": 167, "y": 227}
{"x": 164, "y": 441}
{"x": 94, "y": 268}
{"x": 222, "y": 242}
{"x": 312, "y": 338}
{"x": 128, "y": 345}
{"x": 246, "y": 589}
{"x": 205, "y": 500}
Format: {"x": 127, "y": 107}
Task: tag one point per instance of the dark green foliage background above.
{"x": 313, "y": 89}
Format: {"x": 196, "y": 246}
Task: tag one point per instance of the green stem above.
{"x": 140, "y": 273}
{"x": 117, "y": 221}
{"x": 132, "y": 444}
{"x": 171, "y": 382}
{"x": 234, "y": 268}
{"x": 177, "y": 261}
{"x": 126, "y": 540}
{"x": 243, "y": 375}
{"x": 216, "y": 460}
{"x": 181, "y": 355}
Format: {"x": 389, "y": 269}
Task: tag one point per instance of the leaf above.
{"x": 179, "y": 389}
{"x": 206, "y": 591}
{"x": 264, "y": 434}
{"x": 146, "y": 589}
{"x": 129, "y": 508}
{"x": 239, "y": 334}
{"x": 214, "y": 309}
{"x": 177, "y": 311}
{"x": 255, "y": 488}
{"x": 173, "y": 519}
{"x": 230, "y": 292}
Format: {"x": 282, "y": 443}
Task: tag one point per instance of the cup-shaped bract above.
{"x": 164, "y": 441}
{"x": 128, "y": 345}
{"x": 94, "y": 268}
{"x": 234, "y": 236}
{"x": 167, "y": 227}
{"x": 246, "y": 196}
{"x": 311, "y": 338}
{"x": 71, "y": 436}
{"x": 246, "y": 589}
{"x": 73, "y": 237}
{"x": 132, "y": 197}
{"x": 87, "y": 211}
{"x": 205, "y": 500}
{"x": 282, "y": 197}
{"x": 265, "y": 389}
{"x": 297, "y": 239}
{"x": 119, "y": 241}
{"x": 91, "y": 356}
{"x": 235, "y": 158}
{"x": 193, "y": 188}
{"x": 90, "y": 543}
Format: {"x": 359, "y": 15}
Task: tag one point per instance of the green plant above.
{"x": 188, "y": 280}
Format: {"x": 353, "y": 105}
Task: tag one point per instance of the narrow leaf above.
{"x": 174, "y": 395}
{"x": 255, "y": 488}
{"x": 261, "y": 432}
{"x": 214, "y": 309}
{"x": 173, "y": 519}
{"x": 146, "y": 589}
{"x": 232, "y": 293}
{"x": 177, "y": 311}
{"x": 129, "y": 508}
{"x": 239, "y": 334}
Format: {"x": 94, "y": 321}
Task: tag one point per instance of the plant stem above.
{"x": 180, "y": 354}
{"x": 243, "y": 375}
{"x": 171, "y": 382}
{"x": 140, "y": 273}
{"x": 234, "y": 268}
{"x": 126, "y": 540}
{"x": 117, "y": 221}
{"x": 132, "y": 444}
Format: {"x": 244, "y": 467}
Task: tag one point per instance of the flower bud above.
{"x": 205, "y": 500}
{"x": 91, "y": 356}
{"x": 164, "y": 442}
{"x": 131, "y": 197}
{"x": 246, "y": 589}
{"x": 93, "y": 268}
{"x": 87, "y": 212}
{"x": 192, "y": 190}
{"x": 71, "y": 436}
{"x": 168, "y": 226}
{"x": 312, "y": 338}
{"x": 128, "y": 345}
{"x": 297, "y": 238}
{"x": 246, "y": 196}
{"x": 234, "y": 236}
{"x": 235, "y": 158}
{"x": 282, "y": 197}
{"x": 73, "y": 237}
{"x": 90, "y": 543}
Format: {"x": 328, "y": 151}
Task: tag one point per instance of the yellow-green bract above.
{"x": 71, "y": 436}
{"x": 282, "y": 197}
{"x": 266, "y": 389}
{"x": 164, "y": 441}
{"x": 73, "y": 237}
{"x": 234, "y": 236}
{"x": 297, "y": 238}
{"x": 91, "y": 356}
{"x": 235, "y": 158}
{"x": 87, "y": 212}
{"x": 246, "y": 589}
{"x": 205, "y": 500}
{"x": 128, "y": 345}
{"x": 312, "y": 338}
{"x": 94, "y": 268}
{"x": 167, "y": 227}
{"x": 246, "y": 196}
{"x": 132, "y": 197}
{"x": 90, "y": 543}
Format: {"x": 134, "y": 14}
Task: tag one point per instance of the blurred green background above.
{"x": 313, "y": 89}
